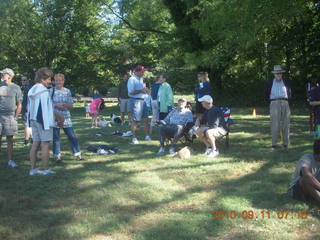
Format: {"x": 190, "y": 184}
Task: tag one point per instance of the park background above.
{"x": 95, "y": 42}
{"x": 136, "y": 194}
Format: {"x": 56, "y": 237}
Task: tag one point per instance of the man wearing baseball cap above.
{"x": 10, "y": 108}
{"x": 137, "y": 93}
{"x": 211, "y": 126}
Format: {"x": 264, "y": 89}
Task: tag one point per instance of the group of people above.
{"x": 305, "y": 185}
{"x": 46, "y": 109}
{"x": 136, "y": 99}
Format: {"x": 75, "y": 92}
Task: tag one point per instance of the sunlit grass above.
{"x": 138, "y": 195}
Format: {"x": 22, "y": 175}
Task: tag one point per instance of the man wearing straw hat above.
{"x": 278, "y": 93}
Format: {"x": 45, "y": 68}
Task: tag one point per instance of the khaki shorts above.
{"x": 124, "y": 105}
{"x": 216, "y": 132}
{"x": 39, "y": 134}
{"x": 8, "y": 125}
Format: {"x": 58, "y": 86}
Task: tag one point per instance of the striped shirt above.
{"x": 177, "y": 117}
{"x": 63, "y": 96}
{"x": 278, "y": 90}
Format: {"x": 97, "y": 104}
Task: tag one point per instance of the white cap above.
{"x": 7, "y": 71}
{"x": 206, "y": 98}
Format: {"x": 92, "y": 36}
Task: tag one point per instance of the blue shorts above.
{"x": 138, "y": 109}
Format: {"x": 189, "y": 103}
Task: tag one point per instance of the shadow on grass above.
{"x": 67, "y": 207}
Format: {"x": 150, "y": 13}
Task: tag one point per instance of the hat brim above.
{"x": 279, "y": 71}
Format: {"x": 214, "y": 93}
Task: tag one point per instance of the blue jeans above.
{"x": 71, "y": 137}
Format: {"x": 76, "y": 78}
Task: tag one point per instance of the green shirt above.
{"x": 9, "y": 96}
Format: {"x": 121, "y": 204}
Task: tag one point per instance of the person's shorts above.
{"x": 8, "y": 125}
{"x": 199, "y": 107}
{"x": 39, "y": 134}
{"x": 124, "y": 105}
{"x": 216, "y": 132}
{"x": 138, "y": 109}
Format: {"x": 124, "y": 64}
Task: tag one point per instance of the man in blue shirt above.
{"x": 211, "y": 126}
{"x": 137, "y": 93}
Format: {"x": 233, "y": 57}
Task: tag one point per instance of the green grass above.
{"x": 137, "y": 195}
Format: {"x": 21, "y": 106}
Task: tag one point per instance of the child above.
{"x": 87, "y": 109}
{"x": 96, "y": 106}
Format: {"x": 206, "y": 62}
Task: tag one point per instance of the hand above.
{"x": 144, "y": 90}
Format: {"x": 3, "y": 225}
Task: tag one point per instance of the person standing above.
{"x": 123, "y": 98}
{"x": 42, "y": 117}
{"x": 10, "y": 108}
{"x": 154, "y": 103}
{"x": 63, "y": 102}
{"x": 26, "y": 86}
{"x": 137, "y": 93}
{"x": 165, "y": 97}
{"x": 278, "y": 93}
{"x": 313, "y": 84}
{"x": 202, "y": 88}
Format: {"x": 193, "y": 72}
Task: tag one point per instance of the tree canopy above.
{"x": 94, "y": 42}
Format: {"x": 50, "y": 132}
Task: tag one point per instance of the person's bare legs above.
{"x": 133, "y": 128}
{"x": 10, "y": 147}
{"x": 200, "y": 133}
{"x": 45, "y": 154}
{"x": 33, "y": 154}
{"x": 210, "y": 138}
{"x": 146, "y": 126}
{"x": 122, "y": 117}
{"x": 310, "y": 186}
{"x": 129, "y": 116}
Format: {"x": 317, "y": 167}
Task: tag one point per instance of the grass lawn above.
{"x": 137, "y": 195}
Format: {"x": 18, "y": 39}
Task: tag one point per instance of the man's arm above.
{"x": 18, "y": 110}
{"x": 306, "y": 172}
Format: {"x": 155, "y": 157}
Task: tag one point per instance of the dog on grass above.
{"x": 116, "y": 119}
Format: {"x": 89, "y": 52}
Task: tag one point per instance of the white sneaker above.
{"x": 161, "y": 150}
{"x": 172, "y": 151}
{"x": 208, "y": 150}
{"x": 213, "y": 153}
{"x": 147, "y": 138}
{"x": 47, "y": 172}
{"x": 135, "y": 141}
{"x": 12, "y": 164}
{"x": 35, "y": 171}
{"x": 102, "y": 152}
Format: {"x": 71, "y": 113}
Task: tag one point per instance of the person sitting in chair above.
{"x": 211, "y": 126}
{"x": 173, "y": 124}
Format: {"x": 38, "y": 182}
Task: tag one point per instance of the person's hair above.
{"x": 102, "y": 104}
{"x": 24, "y": 77}
{"x": 316, "y": 146}
{"x": 59, "y": 75}
{"x": 165, "y": 76}
{"x": 205, "y": 75}
{"x": 43, "y": 73}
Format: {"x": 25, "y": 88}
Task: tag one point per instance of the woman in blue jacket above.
{"x": 203, "y": 87}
